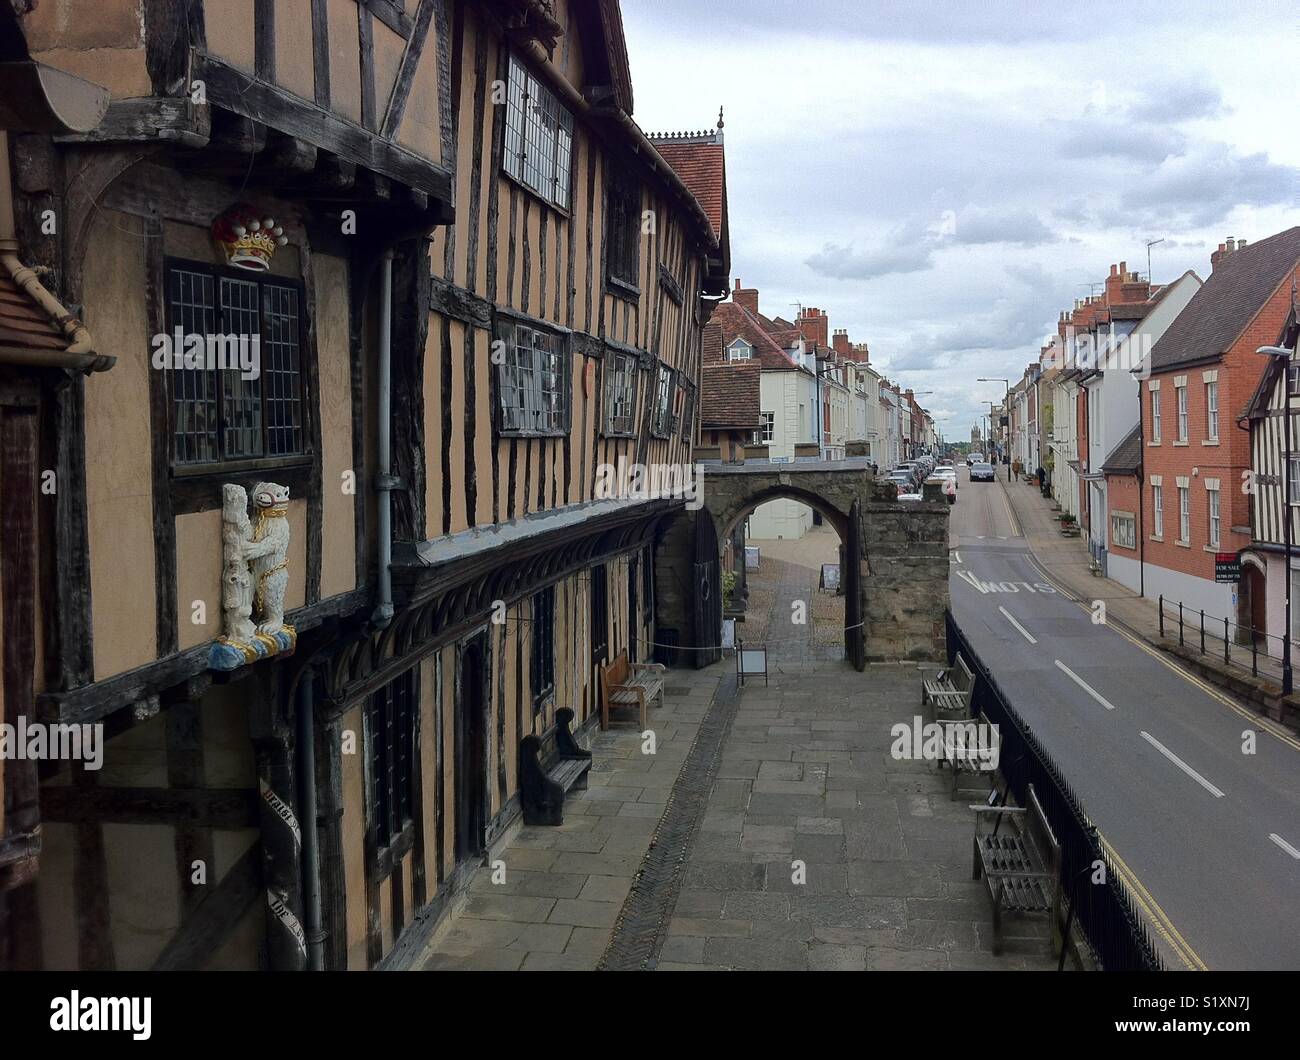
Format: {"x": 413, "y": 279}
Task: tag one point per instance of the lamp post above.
{"x": 1282, "y": 351}
{"x": 1006, "y": 404}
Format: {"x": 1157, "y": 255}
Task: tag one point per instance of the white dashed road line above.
{"x": 1182, "y": 765}
{"x": 1284, "y": 845}
{"x": 1084, "y": 685}
{"x": 1024, "y": 632}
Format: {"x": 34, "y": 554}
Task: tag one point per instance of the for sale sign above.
{"x": 1227, "y": 567}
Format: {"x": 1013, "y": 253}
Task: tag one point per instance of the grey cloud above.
{"x": 1174, "y": 101}
{"x": 1138, "y": 143}
{"x": 1201, "y": 188}
{"x": 907, "y": 249}
{"x": 1023, "y": 227}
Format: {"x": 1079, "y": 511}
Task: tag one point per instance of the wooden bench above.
{"x": 624, "y": 684}
{"x": 970, "y": 748}
{"x": 949, "y": 690}
{"x": 1021, "y": 865}
{"x": 550, "y": 766}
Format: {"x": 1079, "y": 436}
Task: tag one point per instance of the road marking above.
{"x": 1084, "y": 685}
{"x": 1182, "y": 765}
{"x": 957, "y": 554}
{"x": 1284, "y": 845}
{"x": 1157, "y": 917}
{"x": 1011, "y": 516}
{"x": 1012, "y": 620}
{"x": 1257, "y": 721}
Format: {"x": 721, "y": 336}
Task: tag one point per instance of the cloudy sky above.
{"x": 944, "y": 178}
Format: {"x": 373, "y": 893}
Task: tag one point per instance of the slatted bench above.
{"x": 1021, "y": 865}
{"x": 949, "y": 690}
{"x": 550, "y": 766}
{"x": 970, "y": 748}
{"x": 625, "y": 684}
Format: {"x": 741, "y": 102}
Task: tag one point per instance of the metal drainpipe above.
{"x": 385, "y": 481}
{"x": 307, "y": 807}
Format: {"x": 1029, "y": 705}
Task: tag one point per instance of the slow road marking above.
{"x": 1024, "y": 632}
{"x": 1084, "y": 685}
{"x": 1182, "y": 765}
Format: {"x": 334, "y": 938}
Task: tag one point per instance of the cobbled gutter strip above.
{"x": 639, "y": 931}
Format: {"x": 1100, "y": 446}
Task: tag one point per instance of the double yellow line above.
{"x": 1157, "y": 917}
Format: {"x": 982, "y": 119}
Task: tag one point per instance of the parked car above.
{"x": 948, "y": 474}
{"x": 982, "y": 472}
{"x": 974, "y": 458}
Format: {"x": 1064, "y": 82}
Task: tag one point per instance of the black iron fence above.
{"x": 1244, "y": 648}
{"x": 1105, "y": 912}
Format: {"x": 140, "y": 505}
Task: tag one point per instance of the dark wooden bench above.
{"x": 949, "y": 690}
{"x": 1021, "y": 865}
{"x": 970, "y": 748}
{"x": 550, "y": 766}
{"x": 625, "y": 684}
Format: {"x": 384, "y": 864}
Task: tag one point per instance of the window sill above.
{"x": 618, "y": 434}
{"x": 563, "y": 211}
{"x": 503, "y": 432}
{"x": 622, "y": 288}
{"x": 1153, "y": 445}
{"x": 1180, "y": 443}
{"x": 234, "y": 467}
{"x": 1158, "y": 537}
{"x": 1183, "y": 544}
{"x": 1210, "y": 441}
{"x": 1212, "y": 548}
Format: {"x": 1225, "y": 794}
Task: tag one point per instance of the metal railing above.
{"x": 1105, "y": 912}
{"x": 1241, "y": 647}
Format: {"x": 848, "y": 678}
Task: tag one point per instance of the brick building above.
{"x": 1204, "y": 371}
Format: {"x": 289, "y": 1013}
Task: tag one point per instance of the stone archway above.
{"x": 895, "y": 554}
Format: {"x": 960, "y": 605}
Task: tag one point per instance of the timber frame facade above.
{"x": 550, "y": 279}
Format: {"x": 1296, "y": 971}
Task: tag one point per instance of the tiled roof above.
{"x": 702, "y": 167}
{"x": 738, "y": 322}
{"x": 729, "y": 396}
{"x": 1127, "y": 456}
{"x": 1234, "y": 292}
{"x": 24, "y": 324}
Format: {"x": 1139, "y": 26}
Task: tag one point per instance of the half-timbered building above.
{"x": 1274, "y": 497}
{"x": 409, "y": 274}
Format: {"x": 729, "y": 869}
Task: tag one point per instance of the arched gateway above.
{"x": 894, "y": 555}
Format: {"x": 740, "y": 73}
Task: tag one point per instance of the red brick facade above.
{"x": 1201, "y": 458}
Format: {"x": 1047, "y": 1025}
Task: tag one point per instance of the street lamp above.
{"x": 1006, "y": 405}
{"x": 1282, "y": 351}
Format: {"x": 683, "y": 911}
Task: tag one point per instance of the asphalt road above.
{"x": 1209, "y": 836}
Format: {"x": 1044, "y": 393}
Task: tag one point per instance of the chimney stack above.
{"x": 840, "y": 341}
{"x": 746, "y": 298}
{"x": 1225, "y": 248}
{"x": 814, "y": 326}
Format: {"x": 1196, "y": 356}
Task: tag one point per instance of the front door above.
{"x": 471, "y": 748}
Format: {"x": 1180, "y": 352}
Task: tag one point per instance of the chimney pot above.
{"x": 1114, "y": 269}
{"x": 1230, "y": 245}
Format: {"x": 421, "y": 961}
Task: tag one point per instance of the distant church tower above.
{"x": 975, "y": 436}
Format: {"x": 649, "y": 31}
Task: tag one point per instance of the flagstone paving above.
{"x": 813, "y": 848}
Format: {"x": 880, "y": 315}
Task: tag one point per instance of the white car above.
{"x": 974, "y": 458}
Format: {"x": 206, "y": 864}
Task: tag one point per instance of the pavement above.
{"x": 772, "y": 829}
{"x": 1195, "y": 794}
{"x": 1069, "y": 563}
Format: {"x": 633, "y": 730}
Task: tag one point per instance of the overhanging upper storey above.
{"x": 350, "y": 104}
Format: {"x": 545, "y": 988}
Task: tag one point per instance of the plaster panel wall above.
{"x": 198, "y": 577}
{"x": 107, "y": 49}
{"x": 420, "y": 129}
{"x": 294, "y": 65}
{"x": 354, "y": 833}
{"x": 119, "y": 493}
{"x": 228, "y": 26}
{"x": 338, "y": 544}
{"x": 345, "y": 58}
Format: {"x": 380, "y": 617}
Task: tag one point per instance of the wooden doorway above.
{"x": 474, "y": 672}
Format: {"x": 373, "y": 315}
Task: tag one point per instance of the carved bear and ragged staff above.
{"x": 254, "y": 577}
